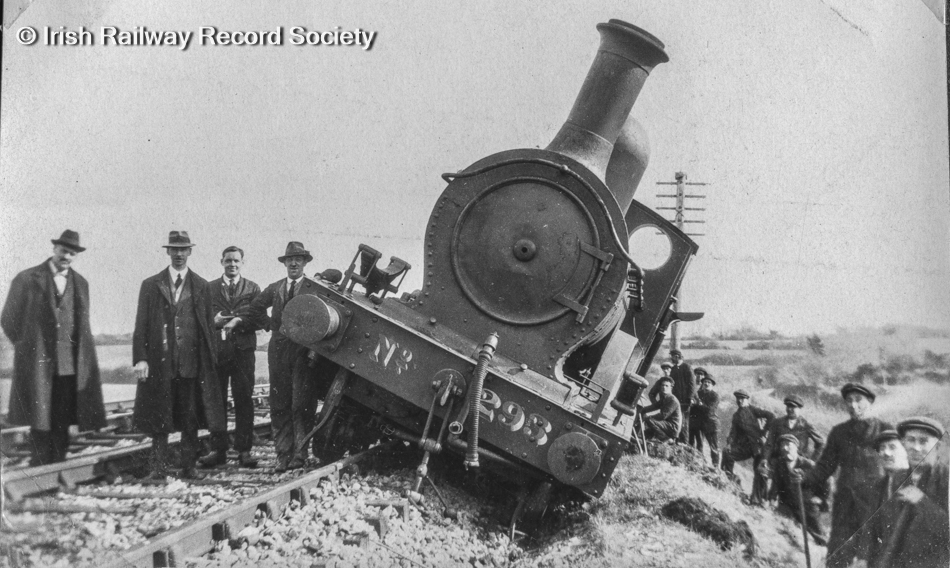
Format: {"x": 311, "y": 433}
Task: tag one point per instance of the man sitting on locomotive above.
{"x": 666, "y": 424}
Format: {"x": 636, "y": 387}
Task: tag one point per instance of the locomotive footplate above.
{"x": 398, "y": 354}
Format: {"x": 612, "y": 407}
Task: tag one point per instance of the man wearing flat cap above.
{"x": 747, "y": 440}
{"x": 665, "y": 368}
{"x": 810, "y": 441}
{"x": 910, "y": 524}
{"x": 174, "y": 356}
{"x": 704, "y": 416}
{"x": 684, "y": 389}
{"x": 55, "y": 370}
{"x": 295, "y": 382}
{"x": 850, "y": 451}
{"x": 666, "y": 424}
{"x": 786, "y": 483}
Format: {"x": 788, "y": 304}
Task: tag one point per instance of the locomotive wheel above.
{"x": 531, "y": 509}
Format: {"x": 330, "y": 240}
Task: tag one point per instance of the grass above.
{"x": 626, "y": 527}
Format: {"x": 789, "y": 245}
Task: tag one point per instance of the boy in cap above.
{"x": 666, "y": 425}
{"x": 705, "y": 416}
{"x": 665, "y": 368}
{"x": 746, "y": 440}
{"x": 786, "y": 483}
{"x": 910, "y": 526}
{"x": 850, "y": 451}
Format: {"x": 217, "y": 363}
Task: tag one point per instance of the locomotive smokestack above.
{"x": 626, "y": 56}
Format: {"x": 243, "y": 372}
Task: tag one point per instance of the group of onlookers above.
{"x": 193, "y": 338}
{"x": 890, "y": 502}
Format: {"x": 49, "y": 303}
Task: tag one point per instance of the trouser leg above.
{"x": 304, "y": 402}
{"x": 760, "y": 483}
{"x": 695, "y": 433}
{"x": 684, "y": 427}
{"x": 41, "y": 447}
{"x": 281, "y": 397}
{"x": 225, "y": 370}
{"x": 710, "y": 429}
{"x": 242, "y": 391}
{"x": 62, "y": 414}
{"x": 185, "y": 400}
{"x": 158, "y": 457}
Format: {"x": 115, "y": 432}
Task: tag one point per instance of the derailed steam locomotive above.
{"x": 527, "y": 344}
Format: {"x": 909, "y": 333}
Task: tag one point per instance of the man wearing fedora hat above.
{"x": 910, "y": 526}
{"x": 294, "y": 383}
{"x": 55, "y": 371}
{"x": 174, "y": 356}
{"x": 850, "y": 451}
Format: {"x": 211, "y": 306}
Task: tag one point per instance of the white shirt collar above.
{"x": 228, "y": 280}
{"x": 57, "y": 271}
{"x": 297, "y": 281}
{"x": 174, "y": 273}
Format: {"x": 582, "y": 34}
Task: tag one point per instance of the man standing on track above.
{"x": 236, "y": 340}
{"x": 706, "y": 416}
{"x": 55, "y": 369}
{"x": 173, "y": 351}
{"x": 294, "y": 386}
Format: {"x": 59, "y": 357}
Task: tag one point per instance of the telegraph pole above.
{"x": 680, "y": 220}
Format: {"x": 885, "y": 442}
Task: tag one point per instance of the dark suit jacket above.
{"x": 153, "y": 397}
{"x": 244, "y": 336}
{"x": 29, "y": 320}
{"x": 274, "y": 297}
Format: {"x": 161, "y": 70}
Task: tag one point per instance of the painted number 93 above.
{"x": 534, "y": 427}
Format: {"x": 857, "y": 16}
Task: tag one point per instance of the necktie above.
{"x": 293, "y": 288}
{"x": 232, "y": 288}
{"x": 177, "y": 283}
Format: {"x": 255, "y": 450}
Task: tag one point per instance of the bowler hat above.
{"x": 742, "y": 393}
{"x": 884, "y": 436}
{"x": 666, "y": 365}
{"x": 179, "y": 239}
{"x": 929, "y": 425}
{"x": 295, "y": 248}
{"x": 707, "y": 376}
{"x": 665, "y": 380}
{"x": 699, "y": 370}
{"x": 860, "y": 389}
{"x": 794, "y": 400}
{"x": 676, "y": 352}
{"x": 789, "y": 438}
{"x": 69, "y": 239}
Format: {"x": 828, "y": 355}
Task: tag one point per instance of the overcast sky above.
{"x": 821, "y": 125}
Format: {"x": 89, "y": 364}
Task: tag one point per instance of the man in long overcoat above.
{"x": 174, "y": 355}
{"x": 55, "y": 369}
{"x": 850, "y": 451}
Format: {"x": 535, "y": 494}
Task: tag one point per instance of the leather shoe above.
{"x": 295, "y": 463}
{"x": 281, "y": 465}
{"x": 213, "y": 459}
{"x": 190, "y": 473}
{"x": 247, "y": 460}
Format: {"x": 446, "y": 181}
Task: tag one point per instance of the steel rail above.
{"x": 21, "y": 483}
{"x": 198, "y": 537}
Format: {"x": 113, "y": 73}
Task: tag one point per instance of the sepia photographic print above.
{"x": 300, "y": 283}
